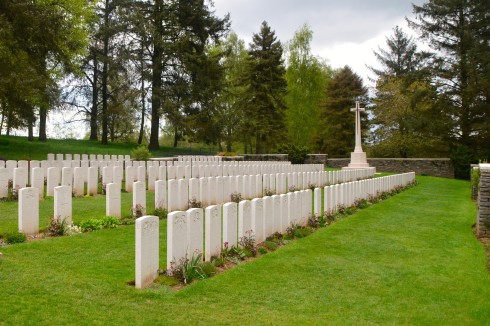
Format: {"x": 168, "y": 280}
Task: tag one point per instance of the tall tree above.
{"x": 232, "y": 99}
{"x": 336, "y": 137}
{"x": 307, "y": 78}
{"x": 38, "y": 53}
{"x": 267, "y": 88}
{"x": 457, "y": 31}
{"x": 179, "y": 33}
{"x": 400, "y": 58}
{"x": 402, "y": 117}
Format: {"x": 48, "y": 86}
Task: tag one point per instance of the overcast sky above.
{"x": 345, "y": 32}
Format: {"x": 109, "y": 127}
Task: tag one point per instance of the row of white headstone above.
{"x": 79, "y": 176}
{"x": 177, "y": 171}
{"x": 172, "y": 195}
{"x": 87, "y": 157}
{"x": 176, "y": 194}
{"x": 208, "y": 230}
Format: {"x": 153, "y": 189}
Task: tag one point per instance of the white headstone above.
{"x": 204, "y": 191}
{"x": 78, "y": 184}
{"x": 212, "y": 231}
{"x": 258, "y": 219}
{"x": 67, "y": 177}
{"x": 147, "y": 250}
{"x": 10, "y": 165}
{"x": 20, "y": 178}
{"x": 183, "y": 194}
{"x": 152, "y": 177}
{"x": 53, "y": 180}
{"x": 173, "y": 195}
{"x": 161, "y": 194}
{"x": 139, "y": 197}
{"x": 230, "y": 224}
{"x": 117, "y": 175}
{"x": 37, "y": 181}
{"x": 268, "y": 216}
{"x": 176, "y": 237}
{"x": 195, "y": 231}
{"x": 62, "y": 204}
{"x": 277, "y": 223}
{"x": 244, "y": 218}
{"x": 284, "y": 213}
{"x": 29, "y": 210}
{"x": 142, "y": 174}
{"x": 113, "y": 200}
{"x": 92, "y": 180}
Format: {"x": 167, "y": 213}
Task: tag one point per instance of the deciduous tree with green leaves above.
{"x": 307, "y": 77}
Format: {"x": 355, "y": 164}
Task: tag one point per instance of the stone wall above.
{"x": 436, "y": 167}
{"x": 483, "y": 217}
{"x": 316, "y": 159}
{"x": 265, "y": 157}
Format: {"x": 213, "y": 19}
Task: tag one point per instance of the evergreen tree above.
{"x": 459, "y": 34}
{"x": 266, "y": 106}
{"x": 337, "y": 130}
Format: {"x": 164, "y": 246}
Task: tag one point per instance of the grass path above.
{"x": 411, "y": 259}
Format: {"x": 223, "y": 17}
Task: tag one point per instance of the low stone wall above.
{"x": 483, "y": 217}
{"x": 265, "y": 157}
{"x": 316, "y": 159}
{"x": 436, "y": 167}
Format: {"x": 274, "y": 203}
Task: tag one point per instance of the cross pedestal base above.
{"x": 358, "y": 160}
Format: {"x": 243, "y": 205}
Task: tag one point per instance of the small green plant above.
{"x": 296, "y": 154}
{"x": 270, "y": 245}
{"x": 140, "y": 153}
{"x": 194, "y": 203}
{"x": 16, "y": 237}
{"x": 208, "y": 268}
{"x": 93, "y": 224}
{"x": 56, "y": 227}
{"x": 219, "y": 261}
{"x": 312, "y": 186}
{"x": 361, "y": 203}
{"x": 247, "y": 242}
{"x": 316, "y": 221}
{"x": 161, "y": 213}
{"x": 187, "y": 270}
{"x": 90, "y": 225}
{"x": 109, "y": 222}
{"x": 236, "y": 197}
{"x": 262, "y": 250}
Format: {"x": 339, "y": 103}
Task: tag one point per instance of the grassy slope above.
{"x": 411, "y": 259}
{"x": 18, "y": 148}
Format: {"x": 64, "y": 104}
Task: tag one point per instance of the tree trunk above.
{"x": 143, "y": 108}
{"x": 95, "y": 98}
{"x": 176, "y": 136}
{"x": 30, "y": 127}
{"x": 105, "y": 72}
{"x": 4, "y": 112}
{"x": 43, "y": 113}
{"x": 157, "y": 69}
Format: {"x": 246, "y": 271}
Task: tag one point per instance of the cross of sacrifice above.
{"x": 358, "y": 111}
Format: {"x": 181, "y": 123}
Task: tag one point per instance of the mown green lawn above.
{"x": 411, "y": 259}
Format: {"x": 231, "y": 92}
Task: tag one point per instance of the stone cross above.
{"x": 358, "y": 111}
